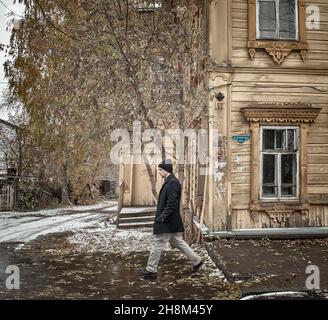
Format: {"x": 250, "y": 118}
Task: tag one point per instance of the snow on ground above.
{"x": 209, "y": 264}
{"x": 110, "y": 239}
{"x": 29, "y": 228}
{"x": 106, "y": 205}
{"x": 24, "y": 227}
{"x": 45, "y": 212}
{"x": 101, "y": 205}
{"x": 92, "y": 232}
{"x": 107, "y": 238}
{"x": 111, "y": 209}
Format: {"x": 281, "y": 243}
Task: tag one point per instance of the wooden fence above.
{"x": 6, "y": 197}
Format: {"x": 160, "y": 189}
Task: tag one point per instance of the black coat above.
{"x": 168, "y": 219}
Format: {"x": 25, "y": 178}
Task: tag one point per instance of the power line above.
{"x": 16, "y": 14}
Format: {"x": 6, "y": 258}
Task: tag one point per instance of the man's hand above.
{"x": 161, "y": 218}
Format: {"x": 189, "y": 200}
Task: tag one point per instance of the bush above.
{"x": 33, "y": 196}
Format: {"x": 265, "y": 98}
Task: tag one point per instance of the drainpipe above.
{"x": 229, "y": 44}
{"x": 229, "y": 161}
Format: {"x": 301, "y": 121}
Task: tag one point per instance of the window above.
{"x": 277, "y": 26}
{"x": 279, "y": 162}
{"x": 149, "y": 6}
{"x": 277, "y": 19}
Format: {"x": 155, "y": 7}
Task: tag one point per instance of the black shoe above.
{"x": 147, "y": 274}
{"x": 197, "y": 266}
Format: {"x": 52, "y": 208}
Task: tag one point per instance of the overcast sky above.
{"x": 6, "y": 6}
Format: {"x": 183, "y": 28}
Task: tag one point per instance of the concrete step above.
{"x": 138, "y": 209}
{"x": 137, "y": 219}
{"x": 138, "y": 214}
{"x": 128, "y": 225}
{"x": 271, "y": 233}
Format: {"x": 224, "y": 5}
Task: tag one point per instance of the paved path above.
{"x": 24, "y": 228}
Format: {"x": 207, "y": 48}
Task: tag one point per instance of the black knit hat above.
{"x": 166, "y": 165}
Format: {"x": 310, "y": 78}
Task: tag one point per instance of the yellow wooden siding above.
{"x": 263, "y": 80}
{"x": 137, "y": 185}
{"x": 317, "y": 217}
{"x": 248, "y": 88}
{"x": 317, "y": 42}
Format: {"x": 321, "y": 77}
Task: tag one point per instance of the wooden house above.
{"x": 268, "y": 97}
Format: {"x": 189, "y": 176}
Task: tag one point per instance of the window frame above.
{"x": 277, "y": 2}
{"x": 278, "y": 49}
{"x": 280, "y": 114}
{"x": 279, "y": 197}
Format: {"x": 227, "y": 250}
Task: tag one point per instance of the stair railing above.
{"x": 120, "y": 202}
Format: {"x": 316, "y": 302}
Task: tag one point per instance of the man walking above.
{"x": 168, "y": 226}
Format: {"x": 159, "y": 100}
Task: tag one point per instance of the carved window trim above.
{"x": 277, "y": 49}
{"x": 276, "y": 152}
{"x": 279, "y": 114}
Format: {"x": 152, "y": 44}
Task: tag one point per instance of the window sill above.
{"x": 277, "y": 49}
{"x": 275, "y": 200}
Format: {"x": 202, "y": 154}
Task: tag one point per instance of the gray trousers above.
{"x": 176, "y": 240}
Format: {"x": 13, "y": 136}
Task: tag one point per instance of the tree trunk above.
{"x": 181, "y": 175}
{"x": 187, "y": 186}
{"x": 19, "y": 167}
{"x": 65, "y": 192}
{"x": 151, "y": 176}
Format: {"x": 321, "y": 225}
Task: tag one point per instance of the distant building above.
{"x": 7, "y": 135}
{"x": 7, "y": 166}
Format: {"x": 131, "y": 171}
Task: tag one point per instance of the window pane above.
{"x": 288, "y": 174}
{"x": 280, "y": 139}
{"x": 287, "y": 19}
{"x": 267, "y": 15}
{"x": 268, "y": 139}
{"x": 269, "y": 175}
{"x": 267, "y": 19}
{"x": 291, "y": 140}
